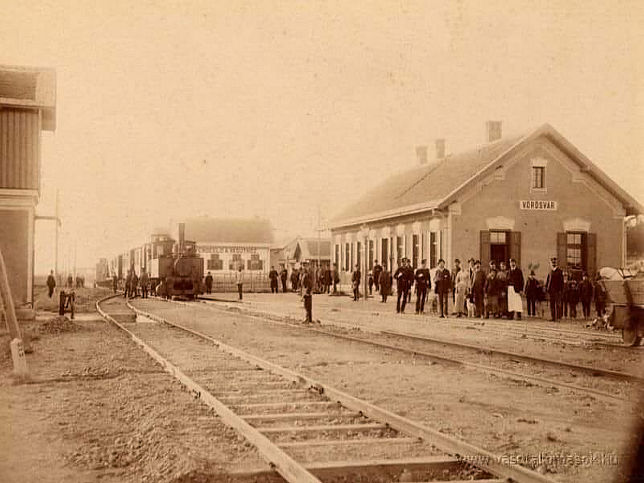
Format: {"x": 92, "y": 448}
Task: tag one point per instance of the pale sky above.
{"x": 278, "y": 109}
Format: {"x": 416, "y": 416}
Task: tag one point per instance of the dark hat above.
{"x": 532, "y": 272}
{"x": 470, "y": 260}
{"x": 513, "y": 260}
{"x": 477, "y": 262}
{"x": 457, "y": 261}
{"x": 424, "y": 260}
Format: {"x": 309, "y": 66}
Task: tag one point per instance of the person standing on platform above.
{"x": 462, "y": 283}
{"x": 455, "y": 272}
{"x": 272, "y": 275}
{"x": 585, "y": 295}
{"x": 532, "y": 291}
{"x": 239, "y": 280}
{"x": 355, "y": 281}
{"x": 115, "y": 283}
{"x": 209, "y": 283}
{"x": 336, "y": 278}
{"x": 409, "y": 270}
{"x": 377, "y": 270}
{"x": 599, "y": 293}
{"x": 294, "y": 278}
{"x": 402, "y": 287}
{"x": 478, "y": 289}
{"x": 555, "y": 287}
{"x": 423, "y": 282}
{"x": 385, "y": 285}
{"x": 307, "y": 293}
{"x": 443, "y": 284}
{"x": 502, "y": 280}
{"x": 128, "y": 284}
{"x": 572, "y": 296}
{"x": 51, "y": 283}
{"x": 283, "y": 278}
{"x": 515, "y": 287}
{"x": 144, "y": 282}
{"x": 370, "y": 281}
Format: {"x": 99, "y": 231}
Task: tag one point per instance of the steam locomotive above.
{"x": 173, "y": 267}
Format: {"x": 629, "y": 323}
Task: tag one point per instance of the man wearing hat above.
{"x": 402, "y": 286}
{"x": 478, "y": 288}
{"x": 423, "y": 282}
{"x": 307, "y": 292}
{"x": 554, "y": 287}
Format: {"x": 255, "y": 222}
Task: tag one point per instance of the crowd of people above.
{"x": 497, "y": 292}
{"x": 470, "y": 291}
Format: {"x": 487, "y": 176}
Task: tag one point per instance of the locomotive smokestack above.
{"x": 182, "y": 237}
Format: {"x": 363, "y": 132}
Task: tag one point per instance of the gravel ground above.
{"x": 97, "y": 408}
{"x": 489, "y": 333}
{"x": 572, "y": 437}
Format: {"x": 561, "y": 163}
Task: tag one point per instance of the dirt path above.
{"x": 99, "y": 409}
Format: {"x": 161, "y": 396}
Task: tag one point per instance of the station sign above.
{"x": 538, "y": 205}
{"x": 225, "y": 249}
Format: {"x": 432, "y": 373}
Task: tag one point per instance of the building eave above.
{"x": 385, "y": 215}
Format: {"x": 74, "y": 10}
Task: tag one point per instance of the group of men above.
{"x": 133, "y": 283}
{"x": 475, "y": 292}
{"x": 406, "y": 278}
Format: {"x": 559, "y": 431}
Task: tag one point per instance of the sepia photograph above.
{"x": 373, "y": 241}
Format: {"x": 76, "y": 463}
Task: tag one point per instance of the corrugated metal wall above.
{"x": 19, "y": 148}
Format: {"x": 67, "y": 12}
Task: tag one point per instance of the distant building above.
{"x": 301, "y": 249}
{"x": 27, "y": 107}
{"x": 225, "y": 244}
{"x": 529, "y": 197}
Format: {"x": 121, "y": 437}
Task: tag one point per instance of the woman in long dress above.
{"x": 462, "y": 287}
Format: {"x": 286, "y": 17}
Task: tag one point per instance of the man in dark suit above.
{"x": 272, "y": 275}
{"x": 355, "y": 281}
{"x": 515, "y": 280}
{"x": 402, "y": 286}
{"x": 283, "y": 277}
{"x": 554, "y": 287}
{"x": 478, "y": 288}
{"x": 443, "y": 284}
{"x": 307, "y": 292}
{"x": 423, "y": 282}
{"x": 377, "y": 270}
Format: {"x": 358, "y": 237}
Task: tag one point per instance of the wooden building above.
{"x": 528, "y": 197}
{"x": 27, "y": 107}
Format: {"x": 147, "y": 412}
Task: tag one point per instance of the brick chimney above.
{"x": 494, "y": 131}
{"x": 421, "y": 154}
{"x": 440, "y": 148}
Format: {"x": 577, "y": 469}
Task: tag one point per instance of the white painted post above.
{"x": 19, "y": 359}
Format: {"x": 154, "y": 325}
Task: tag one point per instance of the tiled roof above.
{"x": 422, "y": 184}
{"x": 229, "y": 230}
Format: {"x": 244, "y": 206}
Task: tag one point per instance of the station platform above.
{"x": 375, "y": 315}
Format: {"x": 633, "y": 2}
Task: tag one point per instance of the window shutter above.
{"x": 485, "y": 249}
{"x": 561, "y": 250}
{"x": 591, "y": 253}
{"x": 515, "y": 246}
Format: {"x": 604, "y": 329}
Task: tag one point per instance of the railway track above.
{"x": 470, "y": 356}
{"x": 307, "y": 431}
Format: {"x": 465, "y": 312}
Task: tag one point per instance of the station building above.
{"x": 27, "y": 107}
{"x": 528, "y": 197}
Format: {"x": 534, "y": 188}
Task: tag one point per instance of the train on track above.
{"x": 173, "y": 266}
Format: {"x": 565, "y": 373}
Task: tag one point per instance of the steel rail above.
{"x": 286, "y": 466}
{"x": 462, "y": 450}
{"x": 441, "y": 358}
